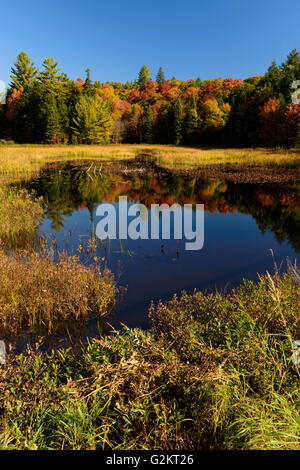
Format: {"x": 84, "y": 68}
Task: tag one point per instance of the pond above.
{"x": 246, "y": 226}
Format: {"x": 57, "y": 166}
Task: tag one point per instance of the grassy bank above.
{"x": 214, "y": 372}
{"x": 26, "y": 160}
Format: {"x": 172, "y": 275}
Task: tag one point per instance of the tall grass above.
{"x": 20, "y": 216}
{"x": 38, "y": 293}
{"x": 214, "y": 372}
{"x": 26, "y": 160}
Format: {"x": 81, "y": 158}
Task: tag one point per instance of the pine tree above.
{"x": 147, "y": 128}
{"x": 144, "y": 75}
{"x": 51, "y": 70}
{"x": 23, "y": 72}
{"x": 92, "y": 121}
{"x": 293, "y": 58}
{"x": 160, "y": 77}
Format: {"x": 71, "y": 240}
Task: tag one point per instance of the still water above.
{"x": 243, "y": 224}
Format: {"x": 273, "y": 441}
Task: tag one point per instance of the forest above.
{"x": 45, "y": 106}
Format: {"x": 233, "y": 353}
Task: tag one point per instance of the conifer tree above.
{"x": 92, "y": 122}
{"x": 88, "y": 86}
{"x": 191, "y": 122}
{"x": 51, "y": 70}
{"x": 23, "y": 72}
{"x": 144, "y": 75}
{"x": 160, "y": 77}
{"x": 147, "y": 131}
{"x": 177, "y": 122}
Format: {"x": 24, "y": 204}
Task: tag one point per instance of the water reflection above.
{"x": 243, "y": 222}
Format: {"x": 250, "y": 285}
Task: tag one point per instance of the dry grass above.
{"x": 37, "y": 293}
{"x": 20, "y": 216}
{"x": 26, "y": 160}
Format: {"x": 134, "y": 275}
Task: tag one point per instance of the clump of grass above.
{"x": 20, "y": 216}
{"x": 214, "y": 372}
{"x": 40, "y": 293}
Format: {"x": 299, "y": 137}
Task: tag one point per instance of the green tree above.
{"x": 23, "y": 72}
{"x": 177, "y": 122}
{"x": 160, "y": 77}
{"x": 293, "y": 58}
{"x": 144, "y": 75}
{"x": 88, "y": 86}
{"x": 191, "y": 122}
{"x": 51, "y": 70}
{"x": 147, "y": 128}
{"x": 92, "y": 122}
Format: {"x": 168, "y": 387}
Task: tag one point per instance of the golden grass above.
{"x": 38, "y": 293}
{"x": 20, "y": 216}
{"x": 26, "y": 160}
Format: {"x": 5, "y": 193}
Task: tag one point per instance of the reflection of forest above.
{"x": 273, "y": 206}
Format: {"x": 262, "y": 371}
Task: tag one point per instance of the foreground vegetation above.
{"x": 214, "y": 372}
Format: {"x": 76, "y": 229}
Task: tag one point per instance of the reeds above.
{"x": 20, "y": 216}
{"x": 38, "y": 293}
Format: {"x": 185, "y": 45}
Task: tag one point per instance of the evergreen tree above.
{"x": 177, "y": 122}
{"x": 51, "y": 70}
{"x": 23, "y": 72}
{"x": 293, "y": 58}
{"x": 191, "y": 122}
{"x": 160, "y": 77}
{"x": 88, "y": 86}
{"x": 144, "y": 75}
{"x": 92, "y": 122}
{"x": 147, "y": 128}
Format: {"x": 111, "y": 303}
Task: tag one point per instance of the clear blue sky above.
{"x": 221, "y": 38}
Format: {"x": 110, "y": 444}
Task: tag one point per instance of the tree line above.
{"x": 45, "y": 106}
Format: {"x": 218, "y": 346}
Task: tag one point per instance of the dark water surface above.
{"x": 243, "y": 222}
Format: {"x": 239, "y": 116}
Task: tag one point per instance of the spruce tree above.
{"x": 160, "y": 77}
{"x": 144, "y": 75}
{"x": 88, "y": 86}
{"x": 23, "y": 72}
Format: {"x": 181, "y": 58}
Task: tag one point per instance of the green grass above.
{"x": 214, "y": 372}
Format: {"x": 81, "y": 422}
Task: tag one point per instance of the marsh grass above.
{"x": 24, "y": 161}
{"x": 39, "y": 293}
{"x": 20, "y": 216}
{"x": 214, "y": 372}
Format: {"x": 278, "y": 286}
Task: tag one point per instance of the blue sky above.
{"x": 224, "y": 38}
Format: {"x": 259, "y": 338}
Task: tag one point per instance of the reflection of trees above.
{"x": 274, "y": 207}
